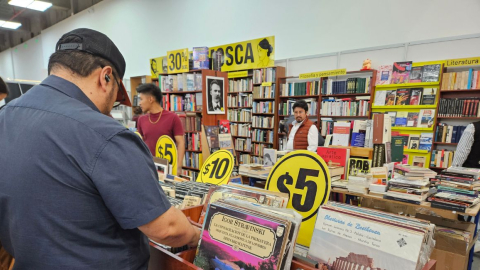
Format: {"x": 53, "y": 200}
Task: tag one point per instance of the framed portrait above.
{"x": 215, "y": 95}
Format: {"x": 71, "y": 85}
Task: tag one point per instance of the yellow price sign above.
{"x": 167, "y": 149}
{"x": 305, "y": 177}
{"x": 320, "y": 74}
{"x": 139, "y": 135}
{"x": 178, "y": 61}
{"x": 238, "y": 74}
{"x": 217, "y": 169}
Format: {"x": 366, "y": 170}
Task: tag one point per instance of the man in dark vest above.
{"x": 468, "y": 149}
{"x": 303, "y": 134}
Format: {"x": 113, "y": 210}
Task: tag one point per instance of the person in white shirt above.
{"x": 303, "y": 134}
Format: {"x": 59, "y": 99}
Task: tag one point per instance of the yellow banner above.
{"x": 250, "y": 54}
{"x": 267, "y": 84}
{"x": 462, "y": 62}
{"x": 178, "y": 61}
{"x": 320, "y": 74}
{"x": 238, "y": 74}
{"x": 158, "y": 65}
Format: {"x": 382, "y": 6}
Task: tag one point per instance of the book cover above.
{"x": 431, "y": 73}
{"x": 380, "y": 98}
{"x": 225, "y": 141}
{"x": 401, "y": 72}
{"x": 200, "y": 58}
{"x": 390, "y": 96}
{"x": 335, "y": 155}
{"x": 212, "y": 136}
{"x": 224, "y": 126}
{"x": 401, "y": 120}
{"x": 416, "y": 74}
{"x": 414, "y": 142}
{"x": 419, "y": 161}
{"x": 358, "y": 165}
{"x": 238, "y": 239}
{"x": 415, "y": 96}
{"x": 403, "y": 97}
{"x": 429, "y": 96}
{"x": 405, "y": 159}
{"x": 384, "y": 74}
{"x": 426, "y": 140}
{"x": 341, "y": 133}
{"x": 269, "y": 156}
{"x": 190, "y": 82}
{"x": 397, "y": 148}
{"x": 393, "y": 116}
{"x": 412, "y": 119}
{"x": 426, "y": 118}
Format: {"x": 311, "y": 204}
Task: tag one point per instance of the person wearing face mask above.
{"x": 77, "y": 189}
{"x": 303, "y": 134}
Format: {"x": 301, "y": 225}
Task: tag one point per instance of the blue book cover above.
{"x": 358, "y": 139}
{"x": 426, "y": 141}
{"x": 470, "y": 76}
{"x": 200, "y": 58}
{"x": 454, "y": 134}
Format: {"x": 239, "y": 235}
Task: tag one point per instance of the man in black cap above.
{"x": 77, "y": 189}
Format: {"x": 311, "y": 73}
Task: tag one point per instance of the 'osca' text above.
{"x": 239, "y": 54}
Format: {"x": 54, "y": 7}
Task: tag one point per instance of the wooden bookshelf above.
{"x": 442, "y": 143}
{"x": 459, "y": 118}
{"x": 460, "y": 91}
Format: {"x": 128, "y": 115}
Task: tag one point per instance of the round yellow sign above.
{"x": 217, "y": 169}
{"x": 167, "y": 149}
{"x": 305, "y": 177}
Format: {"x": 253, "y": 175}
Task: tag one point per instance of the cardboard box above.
{"x": 451, "y": 253}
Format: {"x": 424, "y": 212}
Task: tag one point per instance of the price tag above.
{"x": 178, "y": 61}
{"x": 167, "y": 149}
{"x": 139, "y": 135}
{"x": 217, "y": 169}
{"x": 304, "y": 176}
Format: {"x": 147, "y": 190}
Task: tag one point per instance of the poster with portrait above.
{"x": 215, "y": 95}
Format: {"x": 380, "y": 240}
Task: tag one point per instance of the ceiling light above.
{"x": 20, "y": 3}
{"x": 36, "y": 5}
{"x": 11, "y": 25}
{"x": 39, "y": 5}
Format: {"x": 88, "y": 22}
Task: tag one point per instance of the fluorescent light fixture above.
{"x": 36, "y": 5}
{"x": 11, "y": 25}
{"x": 39, "y": 5}
{"x": 20, "y": 3}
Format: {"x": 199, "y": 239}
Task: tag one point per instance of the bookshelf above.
{"x": 415, "y": 131}
{"x": 134, "y": 83}
{"x": 192, "y": 107}
{"x": 247, "y": 97}
{"x": 455, "y": 85}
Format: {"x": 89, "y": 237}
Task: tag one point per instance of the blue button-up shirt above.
{"x": 74, "y": 183}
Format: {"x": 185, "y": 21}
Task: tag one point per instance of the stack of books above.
{"x": 359, "y": 183}
{"x": 457, "y": 189}
{"x": 361, "y": 238}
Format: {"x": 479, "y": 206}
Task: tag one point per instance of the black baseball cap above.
{"x": 100, "y": 45}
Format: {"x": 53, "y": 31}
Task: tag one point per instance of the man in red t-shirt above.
{"x": 158, "y": 122}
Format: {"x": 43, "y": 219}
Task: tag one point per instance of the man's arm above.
{"x": 180, "y": 141}
{"x": 464, "y": 146}
{"x": 312, "y": 139}
{"x": 172, "y": 229}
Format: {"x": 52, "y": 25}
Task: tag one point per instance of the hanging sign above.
{"x": 462, "y": 62}
{"x": 267, "y": 84}
{"x": 217, "y": 169}
{"x": 167, "y": 149}
{"x": 250, "y": 54}
{"x": 158, "y": 65}
{"x": 305, "y": 177}
{"x": 177, "y": 61}
{"x": 238, "y": 74}
{"x": 320, "y": 74}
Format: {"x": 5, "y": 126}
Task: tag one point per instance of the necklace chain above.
{"x": 160, "y": 116}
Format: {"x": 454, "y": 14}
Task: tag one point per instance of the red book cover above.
{"x": 336, "y": 155}
{"x": 224, "y": 126}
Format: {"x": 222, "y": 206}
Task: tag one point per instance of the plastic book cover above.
{"x": 401, "y": 72}
{"x": 200, "y": 58}
{"x": 233, "y": 239}
{"x": 357, "y": 166}
{"x": 415, "y": 96}
{"x": 431, "y": 73}
{"x": 341, "y": 239}
{"x": 384, "y": 74}
{"x": 390, "y": 97}
{"x": 412, "y": 119}
{"x": 403, "y": 97}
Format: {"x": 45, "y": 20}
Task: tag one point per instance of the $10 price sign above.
{"x": 167, "y": 149}
{"x": 304, "y": 176}
{"x": 217, "y": 169}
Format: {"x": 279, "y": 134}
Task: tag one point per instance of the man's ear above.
{"x": 105, "y": 77}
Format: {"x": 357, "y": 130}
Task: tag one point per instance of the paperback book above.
{"x": 426, "y": 117}
{"x": 429, "y": 96}
{"x": 384, "y": 74}
{"x": 431, "y": 73}
{"x": 401, "y": 72}
{"x": 412, "y": 119}
{"x": 416, "y": 74}
{"x": 415, "y": 96}
{"x": 390, "y": 96}
{"x": 403, "y": 97}
{"x": 401, "y": 120}
{"x": 358, "y": 166}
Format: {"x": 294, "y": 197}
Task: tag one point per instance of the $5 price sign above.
{"x": 167, "y": 149}
{"x": 217, "y": 169}
{"x": 304, "y": 176}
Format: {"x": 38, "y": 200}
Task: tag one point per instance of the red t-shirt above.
{"x": 169, "y": 124}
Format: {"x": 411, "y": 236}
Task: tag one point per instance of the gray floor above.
{"x": 476, "y": 258}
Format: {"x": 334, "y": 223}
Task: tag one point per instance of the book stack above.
{"x": 263, "y": 107}
{"x": 461, "y": 80}
{"x": 359, "y": 183}
{"x": 349, "y": 86}
{"x": 286, "y": 108}
{"x": 459, "y": 107}
{"x": 264, "y": 75}
{"x": 242, "y": 100}
{"x": 243, "y": 235}
{"x": 264, "y": 91}
{"x": 242, "y": 85}
{"x": 442, "y": 158}
{"x": 242, "y": 115}
{"x": 448, "y": 134}
{"x": 351, "y": 237}
{"x": 345, "y": 107}
{"x": 300, "y": 88}
{"x": 378, "y": 187}
{"x": 457, "y": 189}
